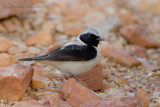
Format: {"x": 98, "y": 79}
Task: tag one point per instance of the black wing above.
{"x": 68, "y": 53}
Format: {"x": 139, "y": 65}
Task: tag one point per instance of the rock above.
{"x": 127, "y": 19}
{"x": 41, "y": 38}
{"x": 93, "y": 79}
{"x": 114, "y": 102}
{"x": 41, "y": 82}
{"x": 52, "y": 100}
{"x": 2, "y": 29}
{"x": 140, "y": 94}
{"x": 27, "y": 104}
{"x": 7, "y": 60}
{"x": 76, "y": 94}
{"x": 74, "y": 29}
{"x": 5, "y": 44}
{"x": 138, "y": 35}
{"x": 120, "y": 81}
{"x": 138, "y": 51}
{"x": 14, "y": 80}
{"x": 119, "y": 55}
{"x": 9, "y": 25}
{"x": 6, "y": 8}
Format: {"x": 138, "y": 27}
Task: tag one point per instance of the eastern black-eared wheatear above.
{"x": 76, "y": 57}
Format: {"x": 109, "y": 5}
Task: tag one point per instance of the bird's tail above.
{"x": 26, "y": 59}
{"x": 43, "y": 57}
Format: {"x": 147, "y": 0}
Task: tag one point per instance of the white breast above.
{"x": 74, "y": 67}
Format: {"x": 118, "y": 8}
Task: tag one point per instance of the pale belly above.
{"x": 74, "y": 67}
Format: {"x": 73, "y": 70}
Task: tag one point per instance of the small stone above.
{"x": 14, "y": 80}
{"x": 120, "y": 81}
{"x": 41, "y": 82}
{"x": 41, "y": 38}
{"x": 76, "y": 94}
{"x": 119, "y": 55}
{"x": 52, "y": 100}
{"x": 93, "y": 79}
{"x": 138, "y": 51}
{"x": 2, "y": 29}
{"x": 7, "y": 60}
{"x": 128, "y": 19}
{"x": 74, "y": 29}
{"x": 9, "y": 25}
{"x": 114, "y": 92}
{"x": 5, "y": 44}
{"x": 138, "y": 35}
{"x": 140, "y": 94}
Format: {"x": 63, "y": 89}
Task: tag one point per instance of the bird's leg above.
{"x": 77, "y": 79}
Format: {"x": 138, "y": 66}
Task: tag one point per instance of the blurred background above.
{"x": 33, "y": 27}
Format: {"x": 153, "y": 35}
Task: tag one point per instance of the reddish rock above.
{"x": 119, "y": 55}
{"x": 140, "y": 94}
{"x": 6, "y": 10}
{"x": 93, "y": 79}
{"x": 27, "y": 104}
{"x": 76, "y": 94}
{"x": 14, "y": 80}
{"x": 49, "y": 27}
{"x": 41, "y": 38}
{"x": 120, "y": 81}
{"x": 7, "y": 60}
{"x": 52, "y": 100}
{"x": 74, "y": 29}
{"x": 114, "y": 102}
{"x": 128, "y": 19}
{"x": 5, "y": 44}
{"x": 40, "y": 82}
{"x": 138, "y": 51}
{"x": 138, "y": 35}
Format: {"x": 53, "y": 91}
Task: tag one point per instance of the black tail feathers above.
{"x": 26, "y": 59}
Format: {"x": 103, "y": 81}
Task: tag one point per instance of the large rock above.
{"x": 138, "y": 35}
{"x": 41, "y": 38}
{"x": 14, "y": 80}
{"x": 7, "y": 60}
{"x": 93, "y": 79}
{"x": 141, "y": 95}
{"x": 5, "y": 44}
{"x": 114, "y": 102}
{"x": 76, "y": 94}
{"x": 14, "y": 7}
{"x": 119, "y": 55}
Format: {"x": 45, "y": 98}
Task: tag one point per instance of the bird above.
{"x": 75, "y": 57}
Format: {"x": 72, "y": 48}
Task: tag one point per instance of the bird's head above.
{"x": 90, "y": 37}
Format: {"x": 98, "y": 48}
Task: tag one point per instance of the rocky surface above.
{"x": 14, "y": 80}
{"x": 127, "y": 74}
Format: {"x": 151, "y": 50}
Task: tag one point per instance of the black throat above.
{"x": 89, "y": 39}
